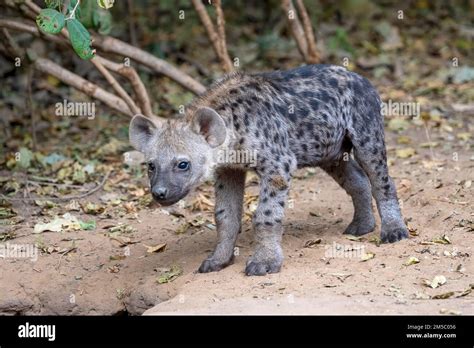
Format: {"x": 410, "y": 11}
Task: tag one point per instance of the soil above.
{"x": 88, "y": 272}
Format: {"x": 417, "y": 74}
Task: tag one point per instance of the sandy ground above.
{"x": 87, "y": 272}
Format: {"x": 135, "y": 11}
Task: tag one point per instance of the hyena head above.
{"x": 180, "y": 154}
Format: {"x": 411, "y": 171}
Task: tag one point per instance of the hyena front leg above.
{"x": 229, "y": 187}
{"x": 267, "y": 223}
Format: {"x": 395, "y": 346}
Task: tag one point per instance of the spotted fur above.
{"x": 315, "y": 115}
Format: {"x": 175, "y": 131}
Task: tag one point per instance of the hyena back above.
{"x": 315, "y": 115}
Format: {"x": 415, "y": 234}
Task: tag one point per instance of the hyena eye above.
{"x": 151, "y": 166}
{"x": 183, "y": 165}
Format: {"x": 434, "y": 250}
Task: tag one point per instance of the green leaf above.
{"x": 80, "y": 39}
{"x": 87, "y": 10}
{"x": 92, "y": 16}
{"x": 102, "y": 21}
{"x": 71, "y": 6}
{"x": 53, "y": 3}
{"x": 87, "y": 225}
{"x": 25, "y": 158}
{"x": 50, "y": 21}
{"x": 106, "y": 3}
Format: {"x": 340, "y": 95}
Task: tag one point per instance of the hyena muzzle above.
{"x": 316, "y": 115}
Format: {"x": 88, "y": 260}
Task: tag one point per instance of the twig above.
{"x": 128, "y": 72}
{"x": 29, "y": 102}
{"x": 72, "y": 14}
{"x": 222, "y": 39}
{"x": 215, "y": 36}
{"x": 295, "y": 27}
{"x": 115, "y": 85}
{"x": 88, "y": 193}
{"x": 49, "y": 67}
{"x": 131, "y": 23}
{"x": 65, "y": 198}
{"x": 303, "y": 34}
{"x": 312, "y": 52}
{"x": 137, "y": 84}
{"x": 112, "y": 45}
{"x": 39, "y": 183}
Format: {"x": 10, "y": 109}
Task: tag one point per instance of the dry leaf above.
{"x": 353, "y": 238}
{"x": 436, "y": 282}
{"x": 156, "y": 248}
{"x": 443, "y": 296}
{"x": 405, "y": 153}
{"x": 169, "y": 275}
{"x": 450, "y": 311}
{"x": 312, "y": 242}
{"x": 464, "y": 136}
{"x": 411, "y": 261}
{"x": 367, "y": 256}
{"x": 442, "y": 240}
{"x": 182, "y": 228}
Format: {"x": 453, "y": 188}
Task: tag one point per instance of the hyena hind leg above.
{"x": 371, "y": 155}
{"x": 349, "y": 175}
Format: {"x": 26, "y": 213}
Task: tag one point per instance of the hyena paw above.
{"x": 262, "y": 267}
{"x": 393, "y": 234}
{"x": 359, "y": 227}
{"x": 212, "y": 265}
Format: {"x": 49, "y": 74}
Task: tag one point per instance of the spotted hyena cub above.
{"x": 310, "y": 116}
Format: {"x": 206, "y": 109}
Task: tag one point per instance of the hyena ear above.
{"x": 140, "y": 131}
{"x": 210, "y": 125}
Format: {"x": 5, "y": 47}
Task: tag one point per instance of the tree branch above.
{"x": 303, "y": 34}
{"x": 49, "y": 67}
{"x": 115, "y": 85}
{"x": 137, "y": 84}
{"x": 216, "y": 37}
{"x": 222, "y": 40}
{"x": 112, "y": 45}
{"x": 312, "y": 52}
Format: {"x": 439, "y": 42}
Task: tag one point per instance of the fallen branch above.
{"x": 49, "y": 67}
{"x": 100, "y": 67}
{"x": 128, "y": 72}
{"x": 65, "y": 198}
{"x": 123, "y": 49}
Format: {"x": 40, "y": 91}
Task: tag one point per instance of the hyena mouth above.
{"x": 172, "y": 200}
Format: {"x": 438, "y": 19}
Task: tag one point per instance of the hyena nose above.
{"x": 160, "y": 193}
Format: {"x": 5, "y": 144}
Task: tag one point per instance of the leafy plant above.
{"x": 80, "y": 15}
